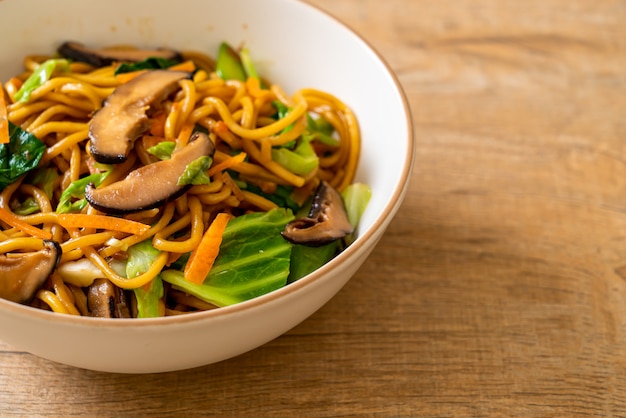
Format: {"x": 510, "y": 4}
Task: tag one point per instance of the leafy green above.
{"x": 163, "y": 150}
{"x": 40, "y": 75}
{"x": 302, "y": 160}
{"x": 152, "y": 63}
{"x": 44, "y": 178}
{"x": 321, "y": 130}
{"x": 21, "y": 155}
{"x": 356, "y": 197}
{"x": 281, "y": 112}
{"x": 28, "y": 206}
{"x": 196, "y": 172}
{"x": 140, "y": 257}
{"x": 247, "y": 63}
{"x": 253, "y": 260}
{"x": 73, "y": 198}
{"x": 306, "y": 259}
{"x": 228, "y": 65}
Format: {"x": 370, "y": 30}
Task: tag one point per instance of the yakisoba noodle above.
{"x": 240, "y": 118}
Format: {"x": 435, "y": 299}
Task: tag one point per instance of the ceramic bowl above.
{"x": 294, "y": 44}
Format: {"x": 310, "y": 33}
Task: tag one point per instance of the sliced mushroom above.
{"x": 105, "y": 300}
{"x": 106, "y": 56}
{"x": 152, "y": 185}
{"x": 122, "y": 118}
{"x": 327, "y": 220}
{"x": 23, "y": 274}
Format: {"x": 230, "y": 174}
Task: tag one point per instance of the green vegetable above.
{"x": 163, "y": 150}
{"x": 281, "y": 112}
{"x": 248, "y": 65}
{"x": 356, "y": 197}
{"x": 21, "y": 155}
{"x": 28, "y": 206}
{"x": 306, "y": 259}
{"x": 228, "y": 65}
{"x": 44, "y": 178}
{"x": 254, "y": 259}
{"x": 302, "y": 160}
{"x": 73, "y": 198}
{"x": 196, "y": 172}
{"x": 147, "y": 64}
{"x": 140, "y": 257}
{"x": 40, "y": 75}
{"x": 321, "y": 130}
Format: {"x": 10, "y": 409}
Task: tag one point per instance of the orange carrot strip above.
{"x": 157, "y": 124}
{"x": 81, "y": 220}
{"x": 227, "y": 163}
{"x": 184, "y": 135}
{"x": 187, "y": 66}
{"x": 126, "y": 77}
{"x": 11, "y": 219}
{"x": 253, "y": 85}
{"x": 202, "y": 258}
{"x": 4, "y": 119}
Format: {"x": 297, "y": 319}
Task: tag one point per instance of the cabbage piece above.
{"x": 140, "y": 257}
{"x": 39, "y": 76}
{"x": 253, "y": 260}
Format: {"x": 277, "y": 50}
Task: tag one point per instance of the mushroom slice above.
{"x": 23, "y": 274}
{"x": 107, "y": 56}
{"x": 122, "y": 118}
{"x": 152, "y": 185}
{"x": 105, "y": 300}
{"x": 327, "y": 220}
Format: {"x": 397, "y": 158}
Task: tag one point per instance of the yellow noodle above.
{"x": 160, "y": 241}
{"x": 65, "y": 296}
{"x": 52, "y": 301}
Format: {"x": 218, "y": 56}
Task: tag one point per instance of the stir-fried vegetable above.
{"x": 41, "y": 74}
{"x": 253, "y": 260}
{"x": 140, "y": 257}
{"x": 21, "y": 155}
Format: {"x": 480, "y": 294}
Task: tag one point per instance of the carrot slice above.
{"x": 4, "y": 119}
{"x": 202, "y": 258}
{"x": 126, "y": 77}
{"x": 187, "y": 66}
{"x": 81, "y": 220}
{"x": 11, "y": 219}
{"x": 185, "y": 133}
{"x": 157, "y": 124}
{"x": 226, "y": 164}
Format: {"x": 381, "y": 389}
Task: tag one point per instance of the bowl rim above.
{"x": 356, "y": 247}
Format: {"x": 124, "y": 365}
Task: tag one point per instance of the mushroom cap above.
{"x": 23, "y": 274}
{"x": 151, "y": 185}
{"x": 327, "y": 220}
{"x": 106, "y": 56}
{"x": 122, "y": 118}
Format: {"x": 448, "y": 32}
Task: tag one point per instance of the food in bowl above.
{"x": 141, "y": 183}
{"x": 294, "y": 44}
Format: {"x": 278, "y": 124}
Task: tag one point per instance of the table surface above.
{"x": 502, "y": 291}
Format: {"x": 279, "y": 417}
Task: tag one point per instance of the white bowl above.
{"x": 293, "y": 44}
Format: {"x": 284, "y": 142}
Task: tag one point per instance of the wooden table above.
{"x": 499, "y": 288}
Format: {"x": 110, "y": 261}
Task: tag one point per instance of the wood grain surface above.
{"x": 499, "y": 289}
